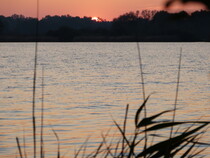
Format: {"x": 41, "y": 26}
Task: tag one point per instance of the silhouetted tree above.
{"x": 1, "y": 26}
{"x": 146, "y": 25}
{"x": 63, "y": 34}
{"x": 127, "y": 24}
{"x": 56, "y": 22}
{"x": 19, "y": 17}
{"x": 128, "y": 17}
{"x": 148, "y": 14}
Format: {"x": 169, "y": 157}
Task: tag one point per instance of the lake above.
{"x": 87, "y": 85}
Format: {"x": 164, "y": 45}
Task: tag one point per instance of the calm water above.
{"x": 86, "y": 84}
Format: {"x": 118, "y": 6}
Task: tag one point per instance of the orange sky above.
{"x": 106, "y": 9}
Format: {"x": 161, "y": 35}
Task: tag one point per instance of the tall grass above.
{"x": 181, "y": 144}
{"x": 143, "y": 92}
{"x": 34, "y": 79}
{"x": 42, "y": 118}
{"x": 184, "y": 142}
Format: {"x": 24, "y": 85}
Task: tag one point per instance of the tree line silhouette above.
{"x": 148, "y": 25}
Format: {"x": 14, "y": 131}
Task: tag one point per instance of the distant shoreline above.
{"x": 158, "y": 26}
{"x": 101, "y": 39}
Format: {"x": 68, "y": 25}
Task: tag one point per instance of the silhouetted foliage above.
{"x": 64, "y": 33}
{"x": 132, "y": 26}
{"x": 1, "y": 26}
{"x": 125, "y": 24}
{"x": 148, "y": 14}
{"x": 206, "y": 3}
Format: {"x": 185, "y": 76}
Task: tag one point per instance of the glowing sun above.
{"x": 95, "y": 18}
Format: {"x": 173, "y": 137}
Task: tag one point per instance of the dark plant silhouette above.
{"x": 206, "y": 3}
{"x": 148, "y": 14}
{"x": 1, "y": 26}
{"x": 148, "y": 25}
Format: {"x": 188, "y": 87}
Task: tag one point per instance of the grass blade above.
{"x": 176, "y": 96}
{"x": 83, "y": 145}
{"x": 176, "y": 140}
{"x": 149, "y": 120}
{"x": 188, "y": 151}
{"x": 24, "y": 143}
{"x": 107, "y": 146}
{"x": 170, "y": 124}
{"x": 196, "y": 154}
{"x": 98, "y": 149}
{"x": 141, "y": 71}
{"x": 19, "y": 148}
{"x": 177, "y": 90}
{"x": 117, "y": 147}
{"x": 123, "y": 134}
{"x": 34, "y": 81}
{"x": 124, "y": 128}
{"x": 42, "y": 117}
{"x": 139, "y": 111}
{"x": 143, "y": 89}
{"x": 58, "y": 141}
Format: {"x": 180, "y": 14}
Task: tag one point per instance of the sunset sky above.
{"x": 106, "y": 9}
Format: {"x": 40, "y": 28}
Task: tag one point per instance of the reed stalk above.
{"x": 58, "y": 141}
{"x": 143, "y": 90}
{"x": 177, "y": 91}
{"x": 34, "y": 81}
{"x": 124, "y": 128}
{"x": 42, "y": 117}
{"x": 19, "y": 147}
{"x": 176, "y": 99}
{"x": 24, "y": 143}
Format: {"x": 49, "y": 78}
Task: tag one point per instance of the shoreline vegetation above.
{"x": 144, "y": 26}
{"x": 151, "y": 137}
{"x": 183, "y": 141}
